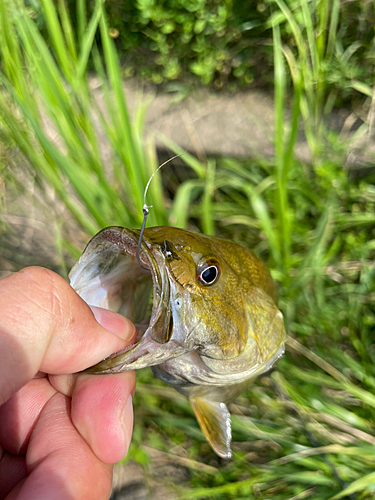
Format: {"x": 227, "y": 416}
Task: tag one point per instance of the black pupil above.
{"x": 209, "y": 275}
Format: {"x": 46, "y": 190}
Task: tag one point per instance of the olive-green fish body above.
{"x": 214, "y": 323}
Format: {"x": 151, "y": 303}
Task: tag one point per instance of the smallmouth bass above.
{"x": 214, "y": 323}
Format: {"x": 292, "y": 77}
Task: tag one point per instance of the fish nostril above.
{"x": 167, "y": 250}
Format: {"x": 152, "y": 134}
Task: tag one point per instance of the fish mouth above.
{"x": 108, "y": 275}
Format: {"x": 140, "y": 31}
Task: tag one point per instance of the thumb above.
{"x": 45, "y": 326}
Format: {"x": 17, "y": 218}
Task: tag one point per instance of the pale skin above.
{"x": 59, "y": 433}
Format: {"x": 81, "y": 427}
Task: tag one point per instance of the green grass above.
{"x": 307, "y": 429}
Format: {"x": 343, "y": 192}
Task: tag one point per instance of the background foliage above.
{"x": 229, "y": 43}
{"x": 305, "y": 430}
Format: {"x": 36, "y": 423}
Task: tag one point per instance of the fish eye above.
{"x": 208, "y": 271}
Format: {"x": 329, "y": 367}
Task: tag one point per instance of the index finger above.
{"x": 45, "y": 326}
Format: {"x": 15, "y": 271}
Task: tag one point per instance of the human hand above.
{"x": 59, "y": 432}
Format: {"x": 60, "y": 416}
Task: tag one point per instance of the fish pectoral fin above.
{"x": 214, "y": 421}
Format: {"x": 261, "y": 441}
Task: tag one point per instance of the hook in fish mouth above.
{"x": 108, "y": 275}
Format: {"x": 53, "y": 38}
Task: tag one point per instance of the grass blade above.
{"x": 360, "y": 485}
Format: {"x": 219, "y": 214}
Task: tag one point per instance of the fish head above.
{"x": 210, "y": 296}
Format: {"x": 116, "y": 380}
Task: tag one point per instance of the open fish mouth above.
{"x": 108, "y": 275}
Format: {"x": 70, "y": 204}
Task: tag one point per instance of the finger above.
{"x": 112, "y": 322}
{"x": 102, "y": 411}
{"x": 46, "y": 326}
{"x": 12, "y": 471}
{"x": 20, "y": 413}
{"x": 59, "y": 462}
{"x": 115, "y": 323}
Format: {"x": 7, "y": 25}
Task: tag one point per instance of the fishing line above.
{"x": 146, "y": 211}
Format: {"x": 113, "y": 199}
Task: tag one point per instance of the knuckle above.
{"x": 46, "y": 289}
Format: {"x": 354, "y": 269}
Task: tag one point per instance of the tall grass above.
{"x": 314, "y": 30}
{"x": 307, "y": 429}
{"x": 46, "y": 91}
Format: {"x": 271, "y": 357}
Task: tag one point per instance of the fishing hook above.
{"x": 146, "y": 211}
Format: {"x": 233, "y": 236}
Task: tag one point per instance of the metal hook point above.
{"x": 145, "y": 211}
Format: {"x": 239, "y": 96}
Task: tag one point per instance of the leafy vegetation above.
{"x": 229, "y": 44}
{"x": 305, "y": 430}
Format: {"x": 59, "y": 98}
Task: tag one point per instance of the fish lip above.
{"x": 145, "y": 254}
{"x": 151, "y": 256}
{"x": 157, "y": 332}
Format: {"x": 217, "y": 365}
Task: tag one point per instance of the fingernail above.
{"x": 115, "y": 323}
{"x": 127, "y": 423}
